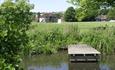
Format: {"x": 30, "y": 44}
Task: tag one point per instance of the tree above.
{"x": 69, "y": 15}
{"x": 86, "y": 15}
{"x": 109, "y": 2}
{"x": 100, "y": 2}
{"x": 15, "y": 18}
{"x": 38, "y": 16}
{"x": 111, "y": 13}
{"x": 59, "y": 14}
{"x": 103, "y": 11}
{"x": 85, "y": 10}
{"x": 91, "y": 8}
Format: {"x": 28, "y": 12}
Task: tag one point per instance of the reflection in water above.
{"x": 57, "y": 61}
{"x": 83, "y": 66}
{"x": 62, "y": 67}
{"x": 104, "y": 67}
{"x": 60, "y": 61}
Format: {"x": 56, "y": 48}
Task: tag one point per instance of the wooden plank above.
{"x": 82, "y": 49}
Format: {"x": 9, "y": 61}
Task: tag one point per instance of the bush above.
{"x": 4, "y": 66}
{"x": 15, "y": 18}
{"x": 111, "y": 14}
{"x": 50, "y": 40}
{"x": 101, "y": 39}
{"x": 46, "y": 42}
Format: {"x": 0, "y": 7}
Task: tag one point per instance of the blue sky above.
{"x": 49, "y": 5}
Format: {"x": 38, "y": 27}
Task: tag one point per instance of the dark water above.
{"x": 60, "y": 61}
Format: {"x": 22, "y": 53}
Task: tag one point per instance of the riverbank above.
{"x": 49, "y": 38}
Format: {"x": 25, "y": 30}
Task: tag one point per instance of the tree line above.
{"x": 88, "y": 10}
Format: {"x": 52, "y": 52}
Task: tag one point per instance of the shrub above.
{"x": 5, "y": 66}
{"x": 111, "y": 13}
{"x": 15, "y": 18}
{"x": 50, "y": 40}
{"x": 101, "y": 39}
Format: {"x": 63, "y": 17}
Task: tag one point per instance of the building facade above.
{"x": 48, "y": 17}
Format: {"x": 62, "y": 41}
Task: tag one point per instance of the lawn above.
{"x": 83, "y": 26}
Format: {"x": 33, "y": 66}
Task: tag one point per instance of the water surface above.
{"x": 60, "y": 61}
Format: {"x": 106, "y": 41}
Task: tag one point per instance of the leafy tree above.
{"x": 100, "y": 2}
{"x": 111, "y": 13}
{"x": 87, "y": 10}
{"x": 103, "y": 11}
{"x": 38, "y": 16}
{"x": 69, "y": 15}
{"x": 59, "y": 14}
{"x": 15, "y": 18}
{"x": 35, "y": 16}
{"x": 109, "y": 2}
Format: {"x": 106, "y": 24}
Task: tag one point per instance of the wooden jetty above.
{"x": 83, "y": 52}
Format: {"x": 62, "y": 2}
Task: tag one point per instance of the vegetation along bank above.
{"x": 49, "y": 38}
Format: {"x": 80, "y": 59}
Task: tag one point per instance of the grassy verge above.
{"x": 48, "y": 38}
{"x": 83, "y": 26}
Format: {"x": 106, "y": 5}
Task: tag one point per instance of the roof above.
{"x": 47, "y": 14}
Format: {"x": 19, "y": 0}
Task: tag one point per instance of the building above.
{"x": 48, "y": 17}
{"x": 102, "y": 18}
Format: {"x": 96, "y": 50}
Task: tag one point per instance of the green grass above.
{"x": 83, "y": 26}
{"x": 49, "y": 37}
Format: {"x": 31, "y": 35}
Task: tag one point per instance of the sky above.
{"x": 49, "y": 5}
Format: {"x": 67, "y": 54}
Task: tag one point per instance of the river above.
{"x": 59, "y": 61}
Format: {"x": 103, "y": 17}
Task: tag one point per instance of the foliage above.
{"x": 49, "y": 38}
{"x": 15, "y": 18}
{"x": 111, "y": 13}
{"x": 51, "y": 41}
{"x": 100, "y": 2}
{"x": 35, "y": 16}
{"x": 45, "y": 42}
{"x": 5, "y": 66}
{"x": 72, "y": 34}
{"x": 85, "y": 15}
{"x": 59, "y": 14}
{"x": 103, "y": 11}
{"x": 38, "y": 14}
{"x": 86, "y": 10}
{"x": 101, "y": 38}
{"x": 69, "y": 15}
{"x": 109, "y": 2}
